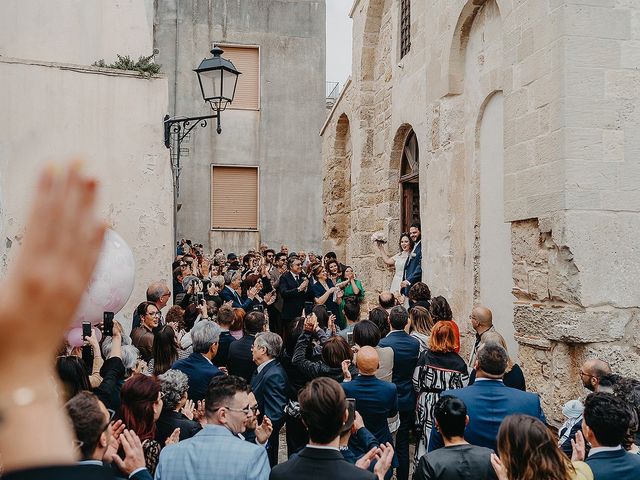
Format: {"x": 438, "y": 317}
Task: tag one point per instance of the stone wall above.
{"x": 568, "y": 75}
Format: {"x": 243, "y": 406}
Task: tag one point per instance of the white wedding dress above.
{"x": 400, "y": 259}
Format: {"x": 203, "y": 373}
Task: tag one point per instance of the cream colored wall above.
{"x": 113, "y": 121}
{"x": 76, "y": 31}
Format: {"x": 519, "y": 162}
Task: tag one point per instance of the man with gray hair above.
{"x": 198, "y": 366}
{"x": 159, "y": 294}
{"x": 270, "y": 386}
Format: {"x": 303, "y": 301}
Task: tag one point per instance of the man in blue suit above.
{"x": 376, "y": 400}
{"x": 216, "y": 451}
{"x": 270, "y": 386}
{"x": 405, "y": 356}
{"x": 489, "y": 401}
{"x": 413, "y": 266}
{"x": 232, "y": 280}
{"x": 198, "y": 366}
{"x": 605, "y": 425}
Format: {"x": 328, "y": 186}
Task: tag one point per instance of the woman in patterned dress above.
{"x": 439, "y": 368}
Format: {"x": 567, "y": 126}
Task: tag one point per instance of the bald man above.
{"x": 376, "y": 400}
{"x": 592, "y": 371}
{"x": 481, "y": 322}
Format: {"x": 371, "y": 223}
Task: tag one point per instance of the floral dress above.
{"x": 434, "y": 373}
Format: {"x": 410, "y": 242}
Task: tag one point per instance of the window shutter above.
{"x": 234, "y": 198}
{"x": 247, "y": 61}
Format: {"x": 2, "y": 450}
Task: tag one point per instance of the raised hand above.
{"x": 199, "y": 414}
{"x": 345, "y": 370}
{"x": 50, "y": 246}
{"x": 189, "y": 409}
{"x": 36, "y": 313}
{"x": 501, "y": 472}
{"x": 578, "y": 447}
{"x": 384, "y": 462}
{"x": 133, "y": 453}
{"x": 263, "y": 431}
{"x": 174, "y": 437}
{"x": 367, "y": 458}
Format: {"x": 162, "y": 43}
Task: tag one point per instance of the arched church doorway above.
{"x": 409, "y": 182}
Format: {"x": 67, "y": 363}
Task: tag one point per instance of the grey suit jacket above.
{"x": 213, "y": 452}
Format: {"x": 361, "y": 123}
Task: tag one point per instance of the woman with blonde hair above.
{"x": 528, "y": 451}
{"x": 513, "y": 376}
{"x": 420, "y": 325}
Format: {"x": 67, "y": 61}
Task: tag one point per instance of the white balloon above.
{"x": 112, "y": 281}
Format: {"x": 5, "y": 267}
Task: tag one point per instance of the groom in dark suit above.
{"x": 413, "y": 266}
{"x": 293, "y": 290}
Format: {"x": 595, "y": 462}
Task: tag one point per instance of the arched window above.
{"x": 409, "y": 181}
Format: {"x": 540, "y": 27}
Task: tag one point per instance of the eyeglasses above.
{"x": 586, "y": 375}
{"x": 112, "y": 413}
{"x": 244, "y": 410}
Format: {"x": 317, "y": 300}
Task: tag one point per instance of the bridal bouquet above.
{"x": 379, "y": 237}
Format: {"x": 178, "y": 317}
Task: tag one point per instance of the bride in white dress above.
{"x": 398, "y": 260}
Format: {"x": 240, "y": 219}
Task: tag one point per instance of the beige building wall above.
{"x": 76, "y": 31}
{"x": 113, "y": 121}
{"x": 570, "y": 143}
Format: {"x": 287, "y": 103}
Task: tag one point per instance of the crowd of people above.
{"x": 247, "y": 350}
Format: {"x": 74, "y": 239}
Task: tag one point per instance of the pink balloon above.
{"x": 112, "y": 281}
{"x": 74, "y": 336}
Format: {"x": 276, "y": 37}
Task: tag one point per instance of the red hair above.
{"x": 443, "y": 338}
{"x": 238, "y": 321}
{"x": 137, "y": 397}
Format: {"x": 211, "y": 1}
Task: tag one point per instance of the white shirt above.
{"x": 595, "y": 450}
{"x": 262, "y": 365}
{"x": 323, "y": 447}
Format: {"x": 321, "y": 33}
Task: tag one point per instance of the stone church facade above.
{"x": 511, "y": 129}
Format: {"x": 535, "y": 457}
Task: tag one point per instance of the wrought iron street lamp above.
{"x": 218, "y": 78}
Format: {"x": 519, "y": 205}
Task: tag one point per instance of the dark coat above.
{"x": 271, "y": 389}
{"x": 488, "y": 403}
{"x": 319, "y": 463}
{"x": 170, "y": 420}
{"x": 240, "y": 359}
{"x": 413, "y": 267}
{"x": 222, "y": 356}
{"x": 310, "y": 369}
{"x": 200, "y": 373}
{"x": 405, "y": 358}
{"x": 293, "y": 300}
{"x": 228, "y": 294}
{"x": 614, "y": 465}
{"x": 376, "y": 401}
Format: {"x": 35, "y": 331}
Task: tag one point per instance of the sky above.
{"x": 338, "y": 40}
